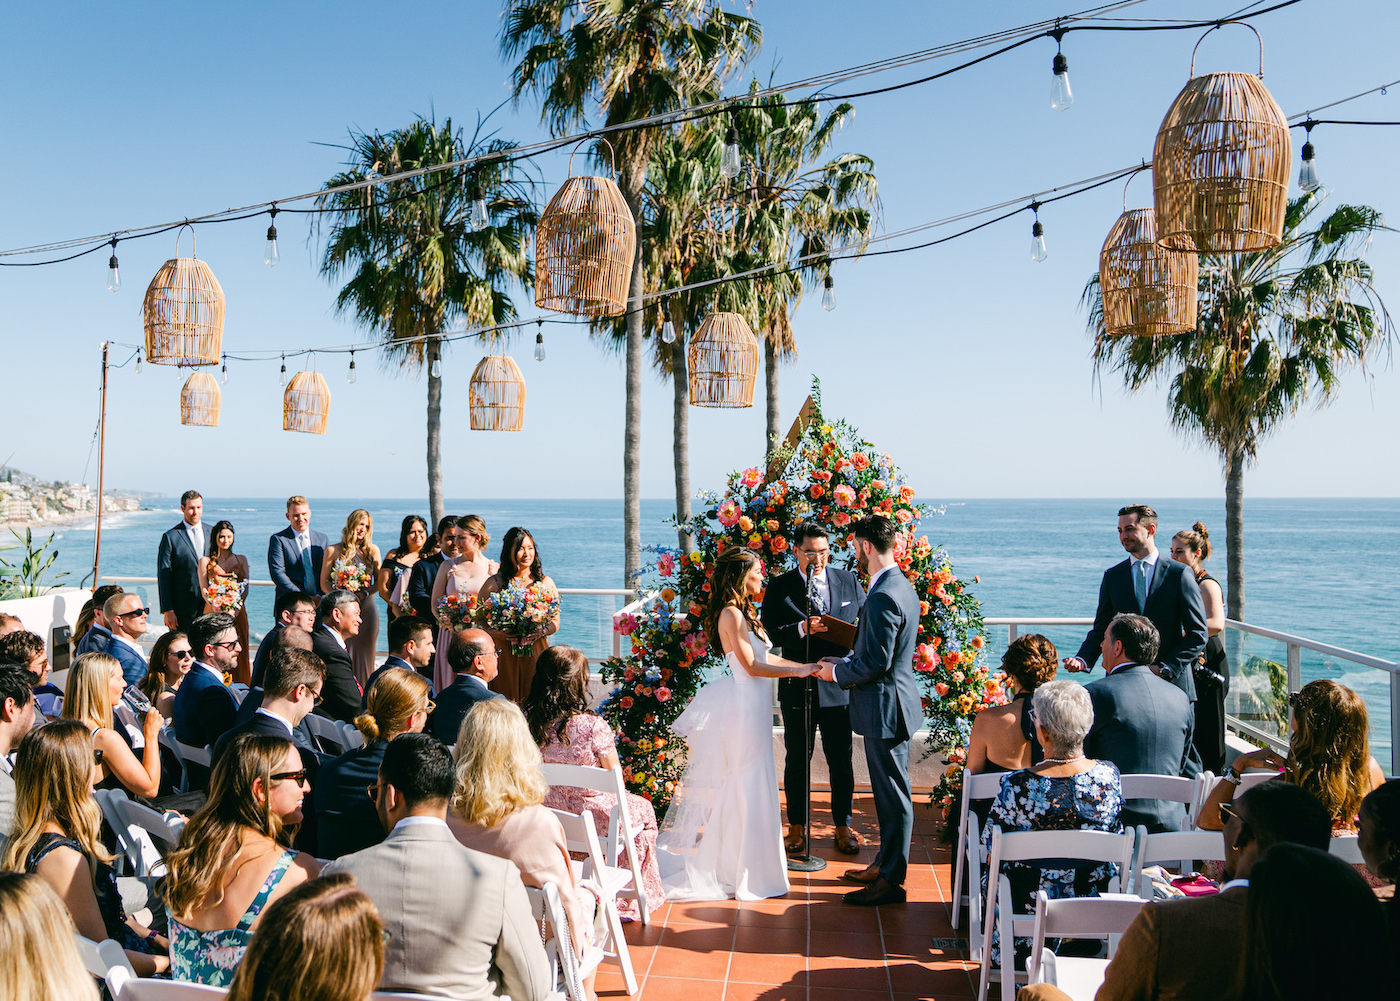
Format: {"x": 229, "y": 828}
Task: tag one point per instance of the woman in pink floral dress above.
{"x": 569, "y": 734}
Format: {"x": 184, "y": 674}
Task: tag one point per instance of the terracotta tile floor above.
{"x": 809, "y": 946}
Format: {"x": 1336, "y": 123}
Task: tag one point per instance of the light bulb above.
{"x": 828, "y": 294}
{"x": 539, "y": 347}
{"x": 282, "y": 376}
{"x": 270, "y": 255}
{"x": 668, "y": 330}
{"x": 1307, "y": 177}
{"x": 223, "y": 371}
{"x": 480, "y": 218}
{"x": 350, "y": 376}
{"x": 138, "y": 361}
{"x": 1061, "y": 97}
{"x": 114, "y": 278}
{"x": 730, "y": 164}
{"x": 435, "y": 368}
{"x": 1038, "y": 250}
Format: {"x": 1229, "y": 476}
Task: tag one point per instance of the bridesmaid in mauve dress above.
{"x": 222, "y": 561}
{"x": 520, "y": 563}
{"x": 463, "y": 574}
{"x": 356, "y": 545}
{"x": 398, "y": 564}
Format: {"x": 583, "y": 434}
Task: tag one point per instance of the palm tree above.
{"x": 1278, "y": 328}
{"x": 416, "y": 265}
{"x": 635, "y": 58}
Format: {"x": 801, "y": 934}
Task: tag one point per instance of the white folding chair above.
{"x": 195, "y": 755}
{"x": 580, "y": 836}
{"x": 129, "y": 860}
{"x": 621, "y": 837}
{"x": 1104, "y": 916}
{"x": 168, "y": 741}
{"x": 350, "y": 736}
{"x": 1177, "y": 847}
{"x": 1347, "y": 847}
{"x": 395, "y": 995}
{"x": 139, "y": 823}
{"x": 547, "y": 907}
{"x": 975, "y": 787}
{"x": 124, "y": 987}
{"x": 324, "y": 728}
{"x": 1251, "y": 779}
{"x": 1205, "y": 782}
{"x": 1028, "y": 846}
{"x": 104, "y": 959}
{"x": 1172, "y": 788}
{"x": 240, "y": 692}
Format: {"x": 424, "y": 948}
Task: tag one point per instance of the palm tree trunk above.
{"x": 1234, "y": 532}
{"x": 634, "y": 179}
{"x": 770, "y": 388}
{"x": 680, "y": 422}
{"x": 435, "y": 502}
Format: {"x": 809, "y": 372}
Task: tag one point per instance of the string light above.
{"x": 270, "y": 255}
{"x": 828, "y": 294}
{"x": 1061, "y": 96}
{"x": 480, "y": 217}
{"x": 539, "y": 347}
{"x": 1307, "y": 175}
{"x": 668, "y": 329}
{"x": 435, "y": 366}
{"x": 114, "y": 278}
{"x": 138, "y": 361}
{"x": 350, "y": 376}
{"x": 1038, "y": 249}
{"x": 282, "y": 376}
{"x": 731, "y": 163}
{"x": 223, "y": 370}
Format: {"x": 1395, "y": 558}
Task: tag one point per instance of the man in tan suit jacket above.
{"x": 1177, "y": 950}
{"x": 459, "y": 920}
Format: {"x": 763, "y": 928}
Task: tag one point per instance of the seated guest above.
{"x": 57, "y": 834}
{"x": 410, "y": 647}
{"x": 38, "y": 958}
{"x": 16, "y": 719}
{"x": 126, "y": 618}
{"x": 233, "y": 859}
{"x": 497, "y": 809}
{"x": 27, "y": 650}
{"x": 1190, "y": 948}
{"x": 10, "y": 624}
{"x": 345, "y": 818}
{"x": 472, "y": 655}
{"x": 1379, "y": 836}
{"x": 204, "y": 706}
{"x": 289, "y": 637}
{"x": 459, "y": 921}
{"x": 95, "y": 685}
{"x": 293, "y": 608}
{"x": 340, "y": 622}
{"x": 171, "y": 659}
{"x": 293, "y": 683}
{"x": 1067, "y": 791}
{"x": 323, "y": 941}
{"x": 568, "y": 733}
{"x": 91, "y": 634}
{"x": 1141, "y": 723}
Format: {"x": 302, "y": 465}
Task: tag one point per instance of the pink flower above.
{"x": 663, "y": 694}
{"x": 666, "y": 565}
{"x": 751, "y": 477}
{"x": 844, "y": 495}
{"x": 861, "y": 461}
{"x": 729, "y": 513}
{"x": 959, "y": 677}
{"x": 941, "y": 688}
{"x": 626, "y": 625}
{"x": 841, "y": 519}
{"x": 903, "y": 516}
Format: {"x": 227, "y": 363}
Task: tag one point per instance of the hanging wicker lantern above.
{"x": 200, "y": 400}
{"x": 306, "y": 405}
{"x": 723, "y": 362}
{"x": 183, "y": 312}
{"x": 584, "y": 246}
{"x": 1220, "y": 165}
{"x": 497, "y": 395}
{"x": 1147, "y": 289}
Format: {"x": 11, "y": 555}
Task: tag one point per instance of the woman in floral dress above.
{"x": 357, "y": 546}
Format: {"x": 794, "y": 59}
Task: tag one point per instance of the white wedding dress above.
{"x": 722, "y": 836}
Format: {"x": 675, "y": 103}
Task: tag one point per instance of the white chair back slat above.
{"x": 168, "y": 741}
{"x": 140, "y": 823}
{"x": 1180, "y": 848}
{"x": 546, "y": 906}
{"x": 145, "y": 989}
{"x": 1251, "y": 779}
{"x": 350, "y": 736}
{"x": 1104, "y": 916}
{"x": 195, "y": 755}
{"x": 129, "y": 861}
{"x": 580, "y": 836}
{"x": 1172, "y": 788}
{"x": 104, "y": 960}
{"x": 975, "y": 787}
{"x": 325, "y": 729}
{"x": 1347, "y": 847}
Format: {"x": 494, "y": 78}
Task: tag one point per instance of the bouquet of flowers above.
{"x": 520, "y": 611}
{"x": 225, "y": 594}
{"x": 348, "y": 574}
{"x": 456, "y": 611}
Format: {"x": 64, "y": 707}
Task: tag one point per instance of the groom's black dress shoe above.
{"x": 877, "y": 893}
{"x": 864, "y": 876}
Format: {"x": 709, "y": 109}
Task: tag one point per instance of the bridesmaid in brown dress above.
{"x": 520, "y": 562}
{"x": 357, "y": 544}
{"x": 222, "y": 561}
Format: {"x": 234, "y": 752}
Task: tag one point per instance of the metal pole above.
{"x": 806, "y": 861}
{"x": 101, "y": 458}
{"x": 1395, "y": 723}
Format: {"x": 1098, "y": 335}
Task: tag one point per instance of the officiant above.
{"x": 793, "y": 606}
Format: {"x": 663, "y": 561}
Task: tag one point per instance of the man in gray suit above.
{"x": 1141, "y": 723}
{"x": 885, "y": 705}
{"x": 459, "y": 921}
{"x": 16, "y": 719}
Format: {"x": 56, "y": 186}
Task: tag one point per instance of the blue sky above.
{"x": 968, "y": 362}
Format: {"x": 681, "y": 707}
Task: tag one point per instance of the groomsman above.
{"x": 295, "y": 554}
{"x": 424, "y": 572}
{"x": 177, "y": 565}
{"x": 793, "y": 605}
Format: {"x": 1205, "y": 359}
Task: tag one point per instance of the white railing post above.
{"x": 1395, "y": 723}
{"x": 1295, "y": 667}
{"x": 1011, "y": 633}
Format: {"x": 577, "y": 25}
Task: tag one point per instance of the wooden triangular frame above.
{"x": 782, "y": 455}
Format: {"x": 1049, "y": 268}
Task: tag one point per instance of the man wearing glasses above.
{"x": 204, "y": 706}
{"x": 126, "y": 616}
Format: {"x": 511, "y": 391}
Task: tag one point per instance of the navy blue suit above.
{"x": 453, "y": 704}
{"x": 95, "y": 640}
{"x": 204, "y": 708}
{"x": 286, "y": 566}
{"x": 133, "y": 664}
{"x": 391, "y": 662}
{"x": 263, "y": 725}
{"x": 420, "y": 585}
{"x": 886, "y": 709}
{"x": 177, "y": 575}
{"x": 346, "y": 820}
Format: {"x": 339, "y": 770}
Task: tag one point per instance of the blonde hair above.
{"x": 296, "y": 499}
{"x": 38, "y": 958}
{"x": 393, "y": 698}
{"x": 348, "y": 542}
{"x": 474, "y": 524}
{"x": 498, "y": 764}
{"x": 322, "y": 941}
{"x": 87, "y": 695}
{"x": 1329, "y": 755}
{"x": 53, "y": 785}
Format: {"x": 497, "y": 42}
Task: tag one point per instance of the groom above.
{"x": 885, "y": 704}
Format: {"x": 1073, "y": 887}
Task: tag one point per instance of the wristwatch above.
{"x": 1231, "y": 776}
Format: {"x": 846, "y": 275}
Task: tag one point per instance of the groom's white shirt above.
{"x": 836, "y": 668}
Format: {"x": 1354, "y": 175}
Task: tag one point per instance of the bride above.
{"x": 722, "y": 836}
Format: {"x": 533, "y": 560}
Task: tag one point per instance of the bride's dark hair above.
{"x": 727, "y": 588}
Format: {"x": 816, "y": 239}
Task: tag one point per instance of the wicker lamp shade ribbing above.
{"x": 1147, "y": 289}
{"x": 200, "y": 400}
{"x": 723, "y": 362}
{"x": 183, "y": 312}
{"x": 584, "y": 246}
{"x": 497, "y": 395}
{"x": 1220, "y": 167}
{"x": 306, "y": 405}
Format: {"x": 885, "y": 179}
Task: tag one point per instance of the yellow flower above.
{"x": 697, "y": 558}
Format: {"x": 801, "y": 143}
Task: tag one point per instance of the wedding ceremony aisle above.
{"x": 809, "y": 946}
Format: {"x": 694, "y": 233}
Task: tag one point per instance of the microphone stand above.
{"x": 807, "y": 862}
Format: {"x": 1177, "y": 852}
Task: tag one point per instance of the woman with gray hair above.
{"x": 1064, "y": 792}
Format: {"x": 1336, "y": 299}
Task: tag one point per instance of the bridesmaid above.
{"x": 356, "y": 544}
{"x": 520, "y": 564}
{"x": 463, "y": 574}
{"x": 398, "y": 562}
{"x": 222, "y": 562}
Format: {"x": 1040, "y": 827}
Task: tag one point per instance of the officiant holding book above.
{"x": 794, "y": 605}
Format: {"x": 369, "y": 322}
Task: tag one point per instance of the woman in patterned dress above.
{"x": 357, "y": 545}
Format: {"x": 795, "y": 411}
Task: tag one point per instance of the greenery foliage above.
{"x": 29, "y": 577}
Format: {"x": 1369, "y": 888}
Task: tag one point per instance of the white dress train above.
{"x": 722, "y": 836}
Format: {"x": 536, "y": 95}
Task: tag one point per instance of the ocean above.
{"x": 1325, "y": 569}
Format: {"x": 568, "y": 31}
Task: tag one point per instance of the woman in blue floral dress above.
{"x": 1064, "y": 792}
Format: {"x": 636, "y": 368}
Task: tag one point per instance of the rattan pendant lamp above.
{"x": 1148, "y": 290}
{"x": 183, "y": 312}
{"x": 584, "y": 246}
{"x": 200, "y": 400}
{"x": 723, "y": 362}
{"x": 1221, "y": 162}
{"x": 306, "y": 405}
{"x": 497, "y": 395}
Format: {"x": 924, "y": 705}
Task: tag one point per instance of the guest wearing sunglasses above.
{"x": 171, "y": 660}
{"x": 233, "y": 857}
{"x": 204, "y": 707}
{"x": 126, "y": 616}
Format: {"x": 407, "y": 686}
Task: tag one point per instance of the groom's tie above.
{"x": 304, "y": 543}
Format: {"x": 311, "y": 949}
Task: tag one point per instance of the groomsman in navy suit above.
{"x": 177, "y": 565}
{"x": 295, "y": 554}
{"x": 424, "y": 572}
